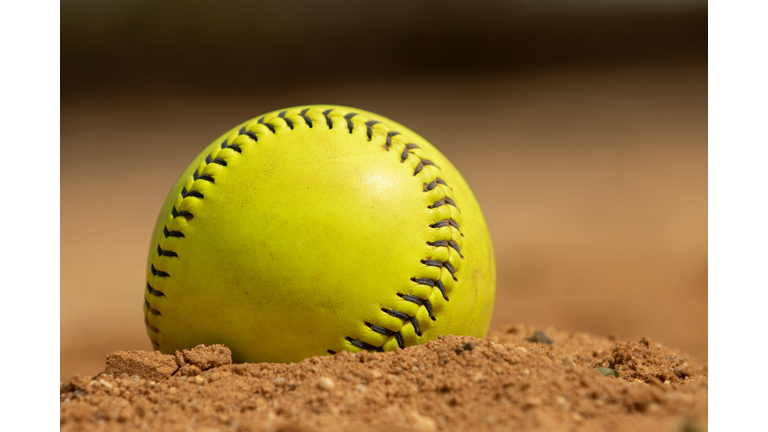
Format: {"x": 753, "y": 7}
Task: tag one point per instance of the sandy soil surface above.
{"x": 518, "y": 378}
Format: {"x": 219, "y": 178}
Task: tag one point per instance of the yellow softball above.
{"x": 314, "y": 230}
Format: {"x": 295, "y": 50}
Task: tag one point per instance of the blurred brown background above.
{"x": 580, "y": 125}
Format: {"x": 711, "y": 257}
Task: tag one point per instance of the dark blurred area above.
{"x": 580, "y": 125}
{"x": 237, "y": 43}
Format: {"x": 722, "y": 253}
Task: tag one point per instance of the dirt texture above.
{"x": 519, "y": 378}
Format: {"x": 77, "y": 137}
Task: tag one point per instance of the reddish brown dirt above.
{"x": 517, "y": 379}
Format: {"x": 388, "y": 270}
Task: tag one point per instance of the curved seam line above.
{"x": 440, "y": 243}
{"x": 184, "y": 194}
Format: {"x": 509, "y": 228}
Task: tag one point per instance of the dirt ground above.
{"x": 519, "y": 378}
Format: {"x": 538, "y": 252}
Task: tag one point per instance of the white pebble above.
{"x": 325, "y": 383}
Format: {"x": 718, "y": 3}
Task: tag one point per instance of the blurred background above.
{"x": 581, "y": 126}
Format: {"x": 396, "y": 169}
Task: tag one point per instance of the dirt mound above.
{"x": 516, "y": 379}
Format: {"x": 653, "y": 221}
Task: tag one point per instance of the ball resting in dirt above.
{"x": 316, "y": 230}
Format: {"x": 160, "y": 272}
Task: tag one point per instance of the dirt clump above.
{"x": 148, "y": 365}
{"x": 194, "y": 361}
{"x": 504, "y": 382}
{"x": 157, "y": 366}
{"x": 648, "y": 362}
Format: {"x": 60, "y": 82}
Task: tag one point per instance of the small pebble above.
{"x": 199, "y": 380}
{"x": 534, "y": 401}
{"x": 469, "y": 346}
{"x": 278, "y": 381}
{"x": 325, "y": 383}
{"x": 540, "y": 337}
{"x": 420, "y": 422}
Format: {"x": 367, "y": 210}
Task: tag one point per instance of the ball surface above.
{"x": 314, "y": 230}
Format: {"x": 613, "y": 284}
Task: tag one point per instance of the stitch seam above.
{"x": 451, "y": 244}
{"x": 168, "y": 233}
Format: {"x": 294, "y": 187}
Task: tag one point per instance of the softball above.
{"x": 313, "y": 230}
